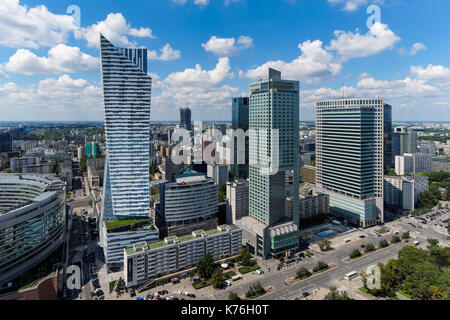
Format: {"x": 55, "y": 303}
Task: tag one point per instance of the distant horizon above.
{"x": 193, "y": 121}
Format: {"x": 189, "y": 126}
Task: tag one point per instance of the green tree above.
{"x": 303, "y": 273}
{"x": 217, "y": 279}
{"x": 244, "y": 257}
{"x": 355, "y": 254}
{"x": 324, "y": 245}
{"x": 335, "y": 295}
{"x": 405, "y": 235}
{"x": 205, "y": 266}
{"x": 432, "y": 243}
{"x": 369, "y": 247}
{"x": 320, "y": 266}
{"x": 256, "y": 290}
{"x": 395, "y": 239}
{"x": 82, "y": 168}
{"x": 233, "y": 296}
{"x": 222, "y": 194}
{"x": 383, "y": 244}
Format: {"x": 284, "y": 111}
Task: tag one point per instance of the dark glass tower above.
{"x": 387, "y": 133}
{"x": 240, "y": 120}
{"x": 185, "y": 119}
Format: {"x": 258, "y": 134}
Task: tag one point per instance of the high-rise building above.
{"x": 237, "y": 200}
{"x": 185, "y": 119}
{"x": 387, "y": 136}
{"x": 349, "y": 157}
{"x": 404, "y": 140}
{"x": 127, "y": 93}
{"x": 219, "y": 173}
{"x": 274, "y": 152}
{"x": 91, "y": 150}
{"x": 240, "y": 120}
{"x": 126, "y": 187}
{"x": 5, "y": 142}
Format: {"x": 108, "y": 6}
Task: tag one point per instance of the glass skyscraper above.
{"x": 349, "y": 157}
{"x": 240, "y": 120}
{"x": 127, "y": 94}
{"x": 274, "y": 153}
{"x": 185, "y": 119}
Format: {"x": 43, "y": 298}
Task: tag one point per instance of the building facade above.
{"x": 32, "y": 221}
{"x": 404, "y": 140}
{"x": 237, "y": 200}
{"x": 219, "y": 173}
{"x": 240, "y": 120}
{"x": 412, "y": 163}
{"x": 349, "y": 157}
{"x": 308, "y": 174}
{"x": 187, "y": 204}
{"x": 404, "y": 192}
{"x": 127, "y": 94}
{"x": 274, "y": 151}
{"x": 185, "y": 119}
{"x": 147, "y": 261}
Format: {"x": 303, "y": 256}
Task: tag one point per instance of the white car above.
{"x": 178, "y": 292}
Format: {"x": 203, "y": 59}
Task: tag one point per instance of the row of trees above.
{"x": 421, "y": 274}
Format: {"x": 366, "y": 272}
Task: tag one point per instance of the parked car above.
{"x": 191, "y": 295}
{"x": 306, "y": 293}
{"x": 165, "y": 291}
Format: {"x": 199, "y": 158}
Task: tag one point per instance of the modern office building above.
{"x": 412, "y": 163}
{"x": 188, "y": 204}
{"x": 146, "y": 261}
{"x": 127, "y": 96}
{"x": 240, "y": 120}
{"x": 441, "y": 163}
{"x": 427, "y": 147}
{"x": 219, "y": 173}
{"x": 389, "y": 160}
{"x": 349, "y": 157}
{"x": 32, "y": 221}
{"x": 170, "y": 169}
{"x": 404, "y": 140}
{"x": 403, "y": 193}
{"x": 237, "y": 200}
{"x": 274, "y": 151}
{"x": 185, "y": 119}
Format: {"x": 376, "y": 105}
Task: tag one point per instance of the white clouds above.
{"x": 352, "y": 5}
{"x": 417, "y": 47}
{"x": 200, "y": 3}
{"x": 61, "y": 59}
{"x": 224, "y": 47}
{"x": 354, "y": 45}
{"x": 314, "y": 64}
{"x": 431, "y": 72}
{"x": 52, "y": 98}
{"x": 167, "y": 54}
{"x": 21, "y": 26}
{"x": 116, "y": 29}
{"x": 201, "y": 78}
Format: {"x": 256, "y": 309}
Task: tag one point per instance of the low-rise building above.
{"x": 308, "y": 174}
{"x": 146, "y": 261}
{"x": 237, "y": 200}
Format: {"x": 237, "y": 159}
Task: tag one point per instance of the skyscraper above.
{"x": 387, "y": 129}
{"x": 127, "y": 93}
{"x": 185, "y": 119}
{"x": 240, "y": 120}
{"x": 349, "y": 157}
{"x": 404, "y": 140}
{"x": 274, "y": 152}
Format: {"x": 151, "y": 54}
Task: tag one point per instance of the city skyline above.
{"x": 52, "y": 74}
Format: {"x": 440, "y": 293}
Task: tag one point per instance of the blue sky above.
{"x": 202, "y": 53}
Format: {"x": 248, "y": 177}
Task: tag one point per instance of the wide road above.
{"x": 276, "y": 279}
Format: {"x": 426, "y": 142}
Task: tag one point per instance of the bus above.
{"x": 415, "y": 243}
{"x": 351, "y": 275}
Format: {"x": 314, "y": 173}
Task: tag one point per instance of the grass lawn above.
{"x": 68, "y": 196}
{"x": 403, "y": 293}
{"x": 383, "y": 230}
{"x": 228, "y": 275}
{"x": 247, "y": 269}
{"x": 120, "y": 223}
{"x": 201, "y": 284}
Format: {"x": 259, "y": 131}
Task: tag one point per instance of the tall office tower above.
{"x": 387, "y": 133}
{"x": 274, "y": 152}
{"x": 404, "y": 140}
{"x": 126, "y": 93}
{"x": 349, "y": 157}
{"x": 185, "y": 119}
{"x": 5, "y": 142}
{"x": 240, "y": 120}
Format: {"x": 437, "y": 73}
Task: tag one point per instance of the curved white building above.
{"x": 32, "y": 221}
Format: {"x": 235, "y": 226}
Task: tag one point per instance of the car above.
{"x": 101, "y": 297}
{"x": 132, "y": 293}
{"x": 227, "y": 283}
{"x": 92, "y": 293}
{"x": 160, "y": 293}
{"x": 165, "y": 291}
{"x": 362, "y": 236}
{"x": 191, "y": 295}
{"x": 178, "y": 292}
{"x": 158, "y": 298}
{"x": 305, "y": 294}
{"x": 186, "y": 293}
{"x": 268, "y": 270}
{"x": 363, "y": 246}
